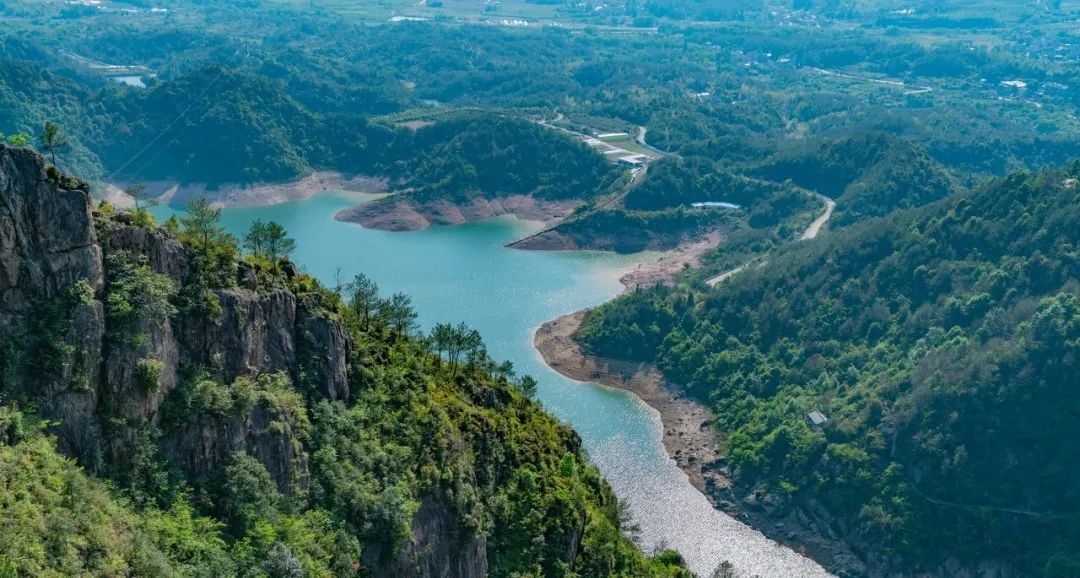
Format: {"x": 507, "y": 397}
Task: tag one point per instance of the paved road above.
{"x": 815, "y": 227}
{"x": 640, "y": 139}
{"x": 896, "y": 83}
{"x": 810, "y": 232}
{"x": 714, "y": 281}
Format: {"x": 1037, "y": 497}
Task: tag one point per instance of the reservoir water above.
{"x": 463, "y": 273}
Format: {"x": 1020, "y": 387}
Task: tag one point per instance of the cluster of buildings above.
{"x": 618, "y": 155}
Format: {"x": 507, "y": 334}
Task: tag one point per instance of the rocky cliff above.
{"x": 192, "y": 376}
{"x": 47, "y": 248}
{"x": 97, "y": 379}
{"x": 83, "y": 368}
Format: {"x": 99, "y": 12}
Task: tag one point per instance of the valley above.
{"x": 520, "y": 288}
{"x": 464, "y": 273}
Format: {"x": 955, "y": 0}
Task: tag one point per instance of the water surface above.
{"x": 463, "y": 273}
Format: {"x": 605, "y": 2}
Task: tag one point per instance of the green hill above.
{"x": 942, "y": 345}
{"x": 869, "y": 175}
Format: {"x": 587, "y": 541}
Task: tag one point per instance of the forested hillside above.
{"x": 679, "y": 201}
{"x": 249, "y": 129}
{"x": 735, "y": 93}
{"x": 942, "y": 346}
{"x": 870, "y": 175}
{"x": 245, "y": 420}
{"x": 232, "y": 416}
{"x": 494, "y": 156}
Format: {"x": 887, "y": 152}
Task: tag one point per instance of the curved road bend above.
{"x": 810, "y": 232}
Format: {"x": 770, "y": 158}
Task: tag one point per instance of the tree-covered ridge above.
{"x": 247, "y": 129}
{"x": 497, "y": 156}
{"x": 250, "y": 129}
{"x": 869, "y": 175}
{"x": 675, "y": 204}
{"x": 942, "y": 346}
{"x": 217, "y": 124}
{"x": 736, "y": 92}
{"x": 250, "y": 421}
{"x": 673, "y": 182}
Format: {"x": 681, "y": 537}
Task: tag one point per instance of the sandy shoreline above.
{"x": 249, "y": 195}
{"x": 689, "y": 436}
{"x": 670, "y": 263}
{"x": 688, "y": 433}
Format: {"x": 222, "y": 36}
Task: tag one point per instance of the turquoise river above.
{"x": 463, "y": 273}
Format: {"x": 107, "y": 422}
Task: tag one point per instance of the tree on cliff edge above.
{"x": 202, "y": 225}
{"x": 52, "y": 140}
{"x": 269, "y": 240}
{"x": 139, "y": 194}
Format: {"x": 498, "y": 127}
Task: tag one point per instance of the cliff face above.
{"x": 47, "y": 246}
{"x": 437, "y": 548}
{"x": 99, "y": 380}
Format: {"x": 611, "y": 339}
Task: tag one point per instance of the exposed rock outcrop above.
{"x": 47, "y": 239}
{"x": 163, "y": 253}
{"x": 51, "y": 343}
{"x": 202, "y": 447}
{"x": 99, "y": 381}
{"x": 437, "y": 548}
{"x": 87, "y": 375}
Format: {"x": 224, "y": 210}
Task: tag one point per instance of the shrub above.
{"x": 148, "y": 373}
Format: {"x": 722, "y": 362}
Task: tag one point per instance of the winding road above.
{"x": 635, "y": 176}
{"x": 896, "y": 83}
{"x": 640, "y": 139}
{"x": 810, "y": 232}
{"x": 815, "y": 227}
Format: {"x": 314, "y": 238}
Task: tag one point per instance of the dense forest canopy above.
{"x": 870, "y": 175}
{"x": 502, "y": 156}
{"x": 942, "y": 346}
{"x": 735, "y": 93}
{"x": 747, "y": 105}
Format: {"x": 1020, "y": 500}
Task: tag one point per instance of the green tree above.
{"x": 458, "y": 340}
{"x": 248, "y": 493}
{"x": 269, "y": 240}
{"x": 725, "y": 570}
{"x": 278, "y": 242}
{"x": 398, "y": 314}
{"x": 255, "y": 238}
{"x": 202, "y": 225}
{"x": 527, "y": 384}
{"x": 20, "y": 139}
{"x": 364, "y": 298}
{"x": 138, "y": 193}
{"x": 282, "y": 563}
{"x": 52, "y": 140}
{"x": 462, "y": 340}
